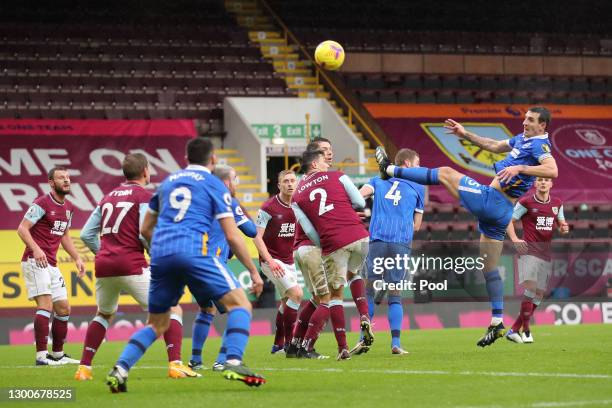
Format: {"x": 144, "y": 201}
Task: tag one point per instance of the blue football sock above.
{"x": 221, "y": 357}
{"x": 201, "y": 327}
{"x": 495, "y": 289}
{"x": 136, "y": 347}
{"x": 237, "y": 333}
{"x": 371, "y": 305}
{"x": 395, "y": 314}
{"x": 421, "y": 175}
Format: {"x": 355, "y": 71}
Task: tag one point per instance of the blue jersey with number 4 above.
{"x": 187, "y": 203}
{"x": 395, "y": 202}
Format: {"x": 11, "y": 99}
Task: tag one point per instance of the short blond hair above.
{"x": 405, "y": 154}
{"x": 284, "y": 173}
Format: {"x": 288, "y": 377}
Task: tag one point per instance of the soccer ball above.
{"x": 329, "y": 55}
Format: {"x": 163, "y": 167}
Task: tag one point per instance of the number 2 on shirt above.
{"x": 322, "y": 207}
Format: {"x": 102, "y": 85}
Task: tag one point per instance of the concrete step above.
{"x": 311, "y": 94}
{"x": 248, "y": 187}
{"x": 291, "y": 65}
{"x": 232, "y": 161}
{"x": 252, "y": 197}
{"x": 281, "y": 56}
{"x": 226, "y": 152}
{"x": 247, "y": 178}
{"x": 300, "y": 80}
{"x": 252, "y": 206}
{"x": 306, "y": 87}
{"x": 250, "y": 21}
{"x": 262, "y": 35}
{"x": 298, "y": 71}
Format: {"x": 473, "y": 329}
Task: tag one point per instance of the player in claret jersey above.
{"x": 540, "y": 214}
{"x": 274, "y": 241}
{"x": 42, "y": 229}
{"x": 178, "y": 222}
{"x": 324, "y": 204}
{"x": 112, "y": 232}
{"x": 529, "y": 156}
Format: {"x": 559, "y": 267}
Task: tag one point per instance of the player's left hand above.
{"x": 564, "y": 227}
{"x": 80, "y": 267}
{"x": 505, "y": 175}
{"x": 256, "y": 285}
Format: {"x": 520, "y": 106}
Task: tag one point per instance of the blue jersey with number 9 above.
{"x": 187, "y": 202}
{"x": 395, "y": 202}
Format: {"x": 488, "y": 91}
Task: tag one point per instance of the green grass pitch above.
{"x": 567, "y": 366}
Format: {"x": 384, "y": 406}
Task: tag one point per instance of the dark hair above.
{"x": 51, "y": 173}
{"x": 199, "y": 151}
{"x": 405, "y": 154}
{"x": 316, "y": 142}
{"x": 134, "y": 165}
{"x": 308, "y": 157}
{"x": 544, "y": 115}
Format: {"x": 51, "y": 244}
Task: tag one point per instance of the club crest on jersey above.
{"x": 555, "y": 210}
{"x": 68, "y": 213}
{"x": 465, "y": 153}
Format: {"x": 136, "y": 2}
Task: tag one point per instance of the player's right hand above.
{"x": 276, "y": 269}
{"x": 455, "y": 128}
{"x": 40, "y": 258}
{"x": 256, "y": 285}
{"x": 521, "y": 247}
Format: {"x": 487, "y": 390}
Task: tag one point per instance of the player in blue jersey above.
{"x": 529, "y": 156}
{"x": 203, "y": 320}
{"x": 179, "y": 220}
{"x": 396, "y": 213}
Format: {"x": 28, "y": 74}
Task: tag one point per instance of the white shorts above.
{"x": 284, "y": 283}
{"x": 43, "y": 281}
{"x": 308, "y": 259}
{"x": 109, "y": 288}
{"x": 348, "y": 258}
{"x": 532, "y": 268}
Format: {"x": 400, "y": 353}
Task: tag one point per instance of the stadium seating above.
{"x": 434, "y": 27}
{"x": 410, "y": 88}
{"x": 128, "y": 65}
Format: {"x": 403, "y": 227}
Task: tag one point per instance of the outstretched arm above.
{"x": 547, "y": 168}
{"x": 491, "y": 145}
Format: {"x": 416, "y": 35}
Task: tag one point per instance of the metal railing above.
{"x": 320, "y": 73}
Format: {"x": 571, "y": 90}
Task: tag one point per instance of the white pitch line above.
{"x": 400, "y": 372}
{"x": 545, "y": 404}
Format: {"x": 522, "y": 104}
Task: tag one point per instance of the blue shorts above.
{"x": 207, "y": 278}
{"x": 490, "y": 206}
{"x": 378, "y": 252}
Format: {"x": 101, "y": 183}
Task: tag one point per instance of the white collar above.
{"x": 198, "y": 167}
{"x": 544, "y": 136}
{"x": 281, "y": 201}
{"x": 535, "y": 197}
